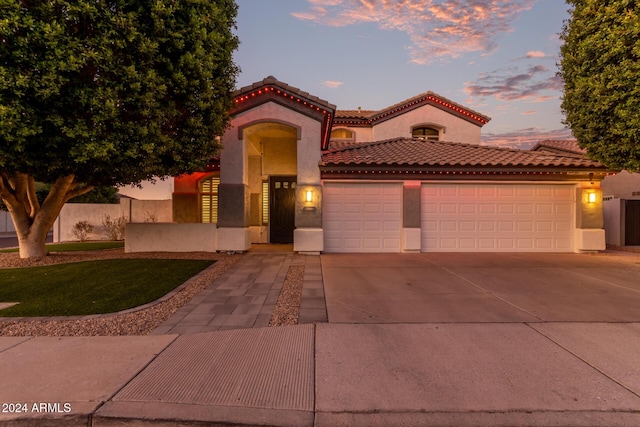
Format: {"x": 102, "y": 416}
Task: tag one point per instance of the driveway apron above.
{"x": 428, "y": 288}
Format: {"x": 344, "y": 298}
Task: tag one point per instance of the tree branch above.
{"x": 78, "y": 191}
{"x": 34, "y": 204}
{"x": 6, "y": 189}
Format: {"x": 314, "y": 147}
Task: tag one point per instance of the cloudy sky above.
{"x": 495, "y": 56}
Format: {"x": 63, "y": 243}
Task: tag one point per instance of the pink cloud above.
{"x": 535, "y": 54}
{"x": 437, "y": 28}
{"x": 332, "y": 84}
{"x": 513, "y": 84}
{"x": 524, "y": 139}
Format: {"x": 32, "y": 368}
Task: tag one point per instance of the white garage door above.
{"x": 497, "y": 218}
{"x": 362, "y": 217}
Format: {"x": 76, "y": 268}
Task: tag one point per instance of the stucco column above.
{"x": 308, "y": 237}
{"x": 411, "y": 216}
{"x": 233, "y": 194}
{"x": 589, "y": 233}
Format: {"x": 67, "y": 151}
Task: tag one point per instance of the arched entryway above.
{"x": 272, "y": 178}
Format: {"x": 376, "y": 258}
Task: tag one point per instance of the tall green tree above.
{"x": 107, "y": 92}
{"x": 601, "y": 72}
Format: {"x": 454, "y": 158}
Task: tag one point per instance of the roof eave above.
{"x": 458, "y": 172}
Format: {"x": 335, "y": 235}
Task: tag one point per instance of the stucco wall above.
{"x": 622, "y": 185}
{"x": 456, "y": 129}
{"x": 279, "y": 156}
{"x": 136, "y": 210}
{"x": 234, "y": 156}
{"x": 6, "y": 224}
{"x": 613, "y": 210}
{"x": 163, "y": 237}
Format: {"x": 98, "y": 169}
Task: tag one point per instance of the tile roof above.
{"x": 271, "y": 89}
{"x": 272, "y": 81}
{"x": 449, "y": 103}
{"x": 355, "y": 114}
{"x": 425, "y": 154}
{"x": 370, "y": 117}
{"x": 569, "y": 146}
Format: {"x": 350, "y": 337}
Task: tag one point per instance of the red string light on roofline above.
{"x": 268, "y": 89}
{"x": 429, "y": 98}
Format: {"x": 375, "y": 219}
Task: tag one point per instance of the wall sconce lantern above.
{"x": 309, "y": 200}
{"x": 592, "y": 197}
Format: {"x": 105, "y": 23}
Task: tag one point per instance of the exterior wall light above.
{"x": 592, "y": 197}
{"x": 310, "y": 200}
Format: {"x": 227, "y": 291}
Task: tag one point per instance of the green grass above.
{"x": 92, "y": 287}
{"x": 77, "y": 246}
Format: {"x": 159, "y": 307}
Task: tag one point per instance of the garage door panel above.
{"x": 448, "y": 208}
{"x": 504, "y": 217}
{"x": 524, "y": 208}
{"x": 486, "y": 226}
{"x": 467, "y": 243}
{"x": 364, "y": 217}
{"x": 468, "y": 226}
{"x": 544, "y": 209}
{"x": 544, "y": 226}
{"x": 506, "y": 191}
{"x": 524, "y": 191}
{"x": 524, "y": 244}
{"x": 524, "y": 226}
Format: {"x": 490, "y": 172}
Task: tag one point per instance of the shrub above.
{"x": 114, "y": 229}
{"x": 82, "y": 229}
{"x": 151, "y": 216}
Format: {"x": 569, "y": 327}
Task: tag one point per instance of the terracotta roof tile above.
{"x": 370, "y": 117}
{"x": 355, "y": 114}
{"x": 270, "y": 80}
{"x": 416, "y": 152}
{"x": 439, "y": 97}
{"x": 569, "y": 146}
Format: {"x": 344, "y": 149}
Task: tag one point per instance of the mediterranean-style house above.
{"x": 411, "y": 177}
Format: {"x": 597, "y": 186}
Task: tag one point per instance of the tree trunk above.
{"x": 32, "y": 231}
{"x": 32, "y": 221}
{"x": 32, "y": 247}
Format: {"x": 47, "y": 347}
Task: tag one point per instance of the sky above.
{"x": 498, "y": 57}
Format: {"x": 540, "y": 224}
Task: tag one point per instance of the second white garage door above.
{"x": 362, "y": 217}
{"x": 497, "y": 218}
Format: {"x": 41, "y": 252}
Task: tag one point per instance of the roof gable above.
{"x": 272, "y": 90}
{"x": 373, "y": 117}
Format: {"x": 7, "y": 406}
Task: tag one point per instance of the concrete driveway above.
{"x": 478, "y": 288}
{"x": 479, "y": 339}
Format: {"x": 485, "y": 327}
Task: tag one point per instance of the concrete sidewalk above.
{"x": 482, "y": 372}
{"x": 330, "y": 375}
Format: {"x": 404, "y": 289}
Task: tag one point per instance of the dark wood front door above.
{"x": 282, "y": 207}
{"x": 632, "y": 223}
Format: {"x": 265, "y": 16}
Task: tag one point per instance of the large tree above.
{"x": 107, "y": 92}
{"x": 601, "y": 72}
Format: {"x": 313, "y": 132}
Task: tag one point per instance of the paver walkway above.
{"x": 246, "y": 295}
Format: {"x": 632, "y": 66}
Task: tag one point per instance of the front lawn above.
{"x": 78, "y": 246}
{"x": 92, "y": 287}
